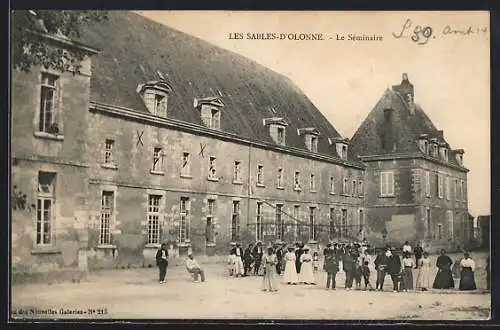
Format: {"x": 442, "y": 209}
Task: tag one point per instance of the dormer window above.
{"x": 423, "y": 143}
{"x": 459, "y": 156}
{"x": 433, "y": 147}
{"x": 341, "y": 146}
{"x": 277, "y": 129}
{"x": 155, "y": 96}
{"x": 310, "y": 135}
{"x": 210, "y": 111}
{"x": 443, "y": 151}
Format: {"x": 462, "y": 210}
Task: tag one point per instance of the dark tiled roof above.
{"x": 133, "y": 48}
{"x": 407, "y": 127}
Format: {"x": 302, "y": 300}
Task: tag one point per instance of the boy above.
{"x": 365, "y": 271}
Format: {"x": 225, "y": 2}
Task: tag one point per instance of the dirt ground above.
{"x": 135, "y": 293}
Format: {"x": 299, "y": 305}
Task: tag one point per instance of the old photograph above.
{"x": 272, "y": 165}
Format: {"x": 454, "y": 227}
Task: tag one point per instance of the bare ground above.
{"x": 135, "y": 293}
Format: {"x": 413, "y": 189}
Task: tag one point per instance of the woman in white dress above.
{"x": 424, "y": 273}
{"x": 290, "y": 276}
{"x": 306, "y": 275}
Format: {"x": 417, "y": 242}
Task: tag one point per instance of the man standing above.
{"x": 331, "y": 267}
{"x": 394, "y": 268}
{"x": 238, "y": 265}
{"x": 418, "y": 255}
{"x": 299, "y": 252}
{"x": 247, "y": 260}
{"x": 162, "y": 261}
{"x": 257, "y": 257}
{"x": 381, "y": 268}
{"x": 349, "y": 266}
{"x": 194, "y": 268}
{"x": 407, "y": 247}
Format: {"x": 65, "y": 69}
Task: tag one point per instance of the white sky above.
{"x": 345, "y": 79}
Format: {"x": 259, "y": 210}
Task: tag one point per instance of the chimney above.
{"x": 406, "y": 91}
{"x": 441, "y": 134}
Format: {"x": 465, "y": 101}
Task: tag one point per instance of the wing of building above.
{"x": 418, "y": 184}
{"x": 162, "y": 137}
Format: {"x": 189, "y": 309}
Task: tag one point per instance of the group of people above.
{"x": 297, "y": 265}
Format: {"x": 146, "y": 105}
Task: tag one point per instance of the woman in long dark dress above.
{"x": 444, "y": 278}
{"x": 467, "y": 267}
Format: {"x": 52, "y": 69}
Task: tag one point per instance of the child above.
{"x": 365, "y": 271}
{"x": 231, "y": 262}
{"x": 316, "y": 261}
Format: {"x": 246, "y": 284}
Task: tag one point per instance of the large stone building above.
{"x": 162, "y": 137}
{"x": 417, "y": 187}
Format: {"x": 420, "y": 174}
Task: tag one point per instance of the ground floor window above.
{"x": 43, "y": 221}
{"x": 280, "y": 228}
{"x": 154, "y": 219}
{"x": 184, "y": 225}
{"x": 235, "y": 222}
{"x": 107, "y": 213}
{"x": 343, "y": 224}
{"x": 259, "y": 230}
{"x": 210, "y": 223}
{"x": 312, "y": 223}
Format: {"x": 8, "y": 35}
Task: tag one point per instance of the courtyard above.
{"x": 135, "y": 293}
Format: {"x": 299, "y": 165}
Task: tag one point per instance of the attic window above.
{"x": 311, "y": 138}
{"x": 277, "y": 129}
{"x": 341, "y": 146}
{"x": 155, "y": 96}
{"x": 210, "y": 110}
{"x": 423, "y": 143}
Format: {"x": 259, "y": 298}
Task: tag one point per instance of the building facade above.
{"x": 134, "y": 151}
{"x": 417, "y": 187}
{"x": 187, "y": 144}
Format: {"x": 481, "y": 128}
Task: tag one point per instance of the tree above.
{"x": 30, "y": 48}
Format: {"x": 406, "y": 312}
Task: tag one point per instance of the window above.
{"x": 157, "y": 160}
{"x": 345, "y": 187}
{"x": 332, "y": 185}
{"x": 439, "y": 231}
{"x": 343, "y": 224}
{"x": 278, "y": 222}
{"x": 440, "y": 185}
{"x": 428, "y": 221}
{"x": 312, "y": 223}
{"x": 354, "y": 188}
{"x": 212, "y": 172}
{"x": 214, "y": 119}
{"x": 107, "y": 213}
{"x": 449, "y": 219}
{"x": 296, "y": 220}
{"x": 237, "y": 171}
{"x": 312, "y": 183}
{"x": 386, "y": 184}
{"x": 314, "y": 144}
{"x": 259, "y": 230}
{"x": 48, "y": 103}
{"x": 156, "y": 103}
{"x": 344, "y": 152}
{"x": 186, "y": 164}
{"x": 331, "y": 227}
{"x": 296, "y": 181}
{"x": 427, "y": 183}
{"x": 108, "y": 152}
{"x": 235, "y": 222}
{"x": 184, "y": 225}
{"x": 154, "y": 219}
{"x": 279, "y": 178}
{"x": 210, "y": 225}
{"x": 44, "y": 206}
{"x": 360, "y": 188}
{"x": 448, "y": 188}
{"x": 281, "y": 135}
{"x": 260, "y": 175}
{"x": 464, "y": 191}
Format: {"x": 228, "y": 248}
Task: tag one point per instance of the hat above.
{"x": 278, "y": 241}
{"x": 306, "y": 248}
{"x": 233, "y": 244}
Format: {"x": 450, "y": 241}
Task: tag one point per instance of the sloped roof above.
{"x": 134, "y": 48}
{"x": 408, "y": 125}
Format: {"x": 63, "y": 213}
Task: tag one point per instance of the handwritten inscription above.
{"x": 421, "y": 34}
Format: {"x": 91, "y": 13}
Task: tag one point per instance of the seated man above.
{"x": 194, "y": 268}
